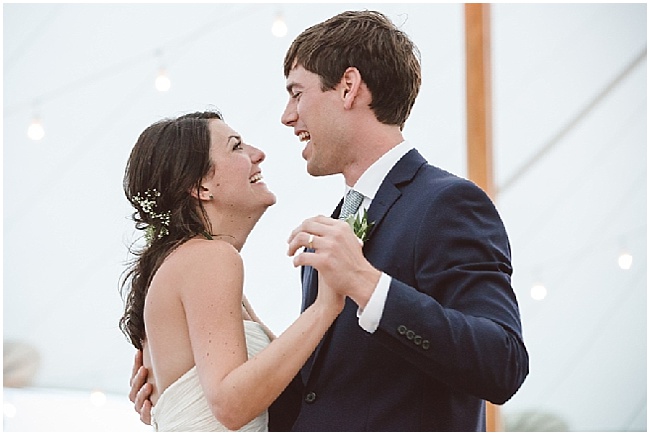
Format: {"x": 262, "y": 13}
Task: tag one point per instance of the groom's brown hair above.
{"x": 388, "y": 61}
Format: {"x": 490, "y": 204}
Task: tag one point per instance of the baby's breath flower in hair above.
{"x": 147, "y": 203}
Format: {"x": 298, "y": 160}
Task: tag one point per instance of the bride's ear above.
{"x": 202, "y": 193}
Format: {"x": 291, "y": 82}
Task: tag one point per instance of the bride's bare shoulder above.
{"x": 199, "y": 250}
{"x": 202, "y": 257}
{"x": 198, "y": 266}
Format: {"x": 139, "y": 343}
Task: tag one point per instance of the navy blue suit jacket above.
{"x": 450, "y": 335}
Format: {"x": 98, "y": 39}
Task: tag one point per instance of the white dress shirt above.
{"x": 368, "y": 184}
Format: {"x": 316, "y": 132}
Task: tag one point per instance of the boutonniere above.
{"x": 360, "y": 225}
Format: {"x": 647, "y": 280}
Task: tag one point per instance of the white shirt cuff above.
{"x": 370, "y": 317}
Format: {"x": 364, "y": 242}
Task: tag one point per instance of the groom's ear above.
{"x": 350, "y": 86}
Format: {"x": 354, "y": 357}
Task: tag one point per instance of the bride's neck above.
{"x": 232, "y": 229}
{"x": 225, "y": 237}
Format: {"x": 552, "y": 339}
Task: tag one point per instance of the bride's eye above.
{"x": 237, "y": 146}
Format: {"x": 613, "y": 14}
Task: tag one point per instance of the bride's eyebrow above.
{"x": 233, "y": 136}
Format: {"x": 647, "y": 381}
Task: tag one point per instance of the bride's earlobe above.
{"x": 202, "y": 193}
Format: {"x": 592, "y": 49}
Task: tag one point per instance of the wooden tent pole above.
{"x": 479, "y": 120}
{"x": 479, "y": 95}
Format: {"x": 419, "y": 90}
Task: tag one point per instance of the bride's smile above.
{"x": 236, "y": 180}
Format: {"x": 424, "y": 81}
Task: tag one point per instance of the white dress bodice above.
{"x": 183, "y": 406}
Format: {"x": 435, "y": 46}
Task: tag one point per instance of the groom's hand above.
{"x": 140, "y": 389}
{"x": 337, "y": 255}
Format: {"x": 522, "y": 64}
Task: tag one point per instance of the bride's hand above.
{"x": 328, "y": 297}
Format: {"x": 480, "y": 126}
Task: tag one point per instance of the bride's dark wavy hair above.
{"x": 170, "y": 157}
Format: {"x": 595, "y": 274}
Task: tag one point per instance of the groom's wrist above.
{"x": 365, "y": 286}
{"x": 370, "y": 316}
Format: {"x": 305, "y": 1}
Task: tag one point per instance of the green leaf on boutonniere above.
{"x": 360, "y": 225}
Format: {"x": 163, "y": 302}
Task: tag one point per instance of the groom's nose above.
{"x": 290, "y": 114}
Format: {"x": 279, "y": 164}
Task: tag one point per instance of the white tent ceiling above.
{"x": 570, "y": 107}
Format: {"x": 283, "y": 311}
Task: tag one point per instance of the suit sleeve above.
{"x": 457, "y": 320}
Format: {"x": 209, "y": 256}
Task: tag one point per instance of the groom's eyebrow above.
{"x": 290, "y": 87}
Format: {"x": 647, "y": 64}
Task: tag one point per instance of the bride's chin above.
{"x": 265, "y": 206}
{"x": 269, "y": 199}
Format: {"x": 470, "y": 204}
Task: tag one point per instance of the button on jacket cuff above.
{"x": 369, "y": 317}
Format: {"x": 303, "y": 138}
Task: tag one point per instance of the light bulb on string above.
{"x": 625, "y": 260}
{"x": 538, "y": 291}
{"x": 624, "y": 257}
{"x": 279, "y": 27}
{"x": 35, "y": 131}
{"x": 97, "y": 398}
{"x": 162, "y": 81}
{"x": 9, "y": 410}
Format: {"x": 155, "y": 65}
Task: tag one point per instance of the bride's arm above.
{"x": 239, "y": 389}
{"x": 255, "y": 318}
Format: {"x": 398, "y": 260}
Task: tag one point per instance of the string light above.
{"x": 625, "y": 260}
{"x": 97, "y": 398}
{"x": 538, "y": 292}
{"x": 279, "y": 27}
{"x": 35, "y": 131}
{"x": 9, "y": 410}
{"x": 162, "y": 81}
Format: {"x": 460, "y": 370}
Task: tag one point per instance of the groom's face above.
{"x": 315, "y": 116}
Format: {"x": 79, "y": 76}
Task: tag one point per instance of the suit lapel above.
{"x": 389, "y": 191}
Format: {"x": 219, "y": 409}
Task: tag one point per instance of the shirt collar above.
{"x": 369, "y": 182}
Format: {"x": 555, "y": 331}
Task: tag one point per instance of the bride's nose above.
{"x": 257, "y": 155}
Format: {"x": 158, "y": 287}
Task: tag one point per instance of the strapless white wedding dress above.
{"x": 182, "y": 407}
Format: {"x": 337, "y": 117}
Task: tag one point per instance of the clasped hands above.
{"x": 337, "y": 255}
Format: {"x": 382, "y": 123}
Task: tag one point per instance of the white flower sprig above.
{"x": 148, "y": 204}
{"x": 360, "y": 225}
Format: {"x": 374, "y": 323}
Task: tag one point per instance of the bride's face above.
{"x": 236, "y": 180}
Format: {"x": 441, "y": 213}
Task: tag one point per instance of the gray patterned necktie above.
{"x": 351, "y": 203}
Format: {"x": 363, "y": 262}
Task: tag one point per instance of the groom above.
{"x": 431, "y": 327}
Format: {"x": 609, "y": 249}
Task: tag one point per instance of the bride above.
{"x": 197, "y": 190}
